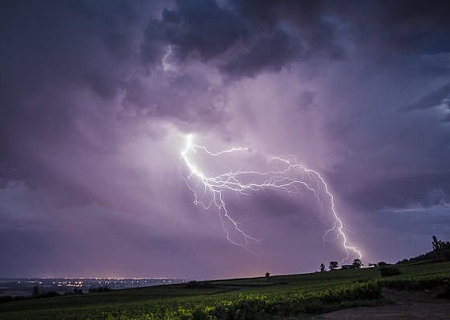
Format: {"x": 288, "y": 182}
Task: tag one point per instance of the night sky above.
{"x": 97, "y": 98}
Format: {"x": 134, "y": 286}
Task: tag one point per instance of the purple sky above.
{"x": 96, "y": 98}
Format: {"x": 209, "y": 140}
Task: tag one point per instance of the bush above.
{"x": 445, "y": 254}
{"x": 390, "y": 271}
{"x": 200, "y": 314}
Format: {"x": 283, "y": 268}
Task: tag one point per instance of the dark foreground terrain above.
{"x": 410, "y": 295}
{"x": 402, "y": 305}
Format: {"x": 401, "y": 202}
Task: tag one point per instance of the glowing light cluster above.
{"x": 292, "y": 178}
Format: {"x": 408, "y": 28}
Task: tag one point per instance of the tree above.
{"x": 382, "y": 264}
{"x": 436, "y": 243}
{"x": 267, "y": 274}
{"x": 357, "y": 263}
{"x": 333, "y": 265}
{"x": 322, "y": 267}
{"x": 441, "y": 249}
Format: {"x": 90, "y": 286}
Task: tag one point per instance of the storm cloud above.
{"x": 96, "y": 97}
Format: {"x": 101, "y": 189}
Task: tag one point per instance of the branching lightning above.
{"x": 292, "y": 178}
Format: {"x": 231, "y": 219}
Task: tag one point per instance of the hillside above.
{"x": 249, "y": 298}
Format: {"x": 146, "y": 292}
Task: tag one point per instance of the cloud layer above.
{"x": 95, "y": 97}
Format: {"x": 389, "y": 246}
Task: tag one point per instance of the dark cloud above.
{"x": 307, "y": 20}
{"x": 95, "y": 97}
{"x": 242, "y": 40}
{"x": 202, "y": 27}
{"x": 415, "y": 25}
{"x": 52, "y": 52}
{"x": 426, "y": 190}
{"x": 398, "y": 27}
{"x": 270, "y": 53}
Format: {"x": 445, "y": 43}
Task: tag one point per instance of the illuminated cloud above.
{"x": 96, "y": 97}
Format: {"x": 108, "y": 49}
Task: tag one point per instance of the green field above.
{"x": 251, "y": 298}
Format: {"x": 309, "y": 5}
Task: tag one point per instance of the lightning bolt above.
{"x": 292, "y": 178}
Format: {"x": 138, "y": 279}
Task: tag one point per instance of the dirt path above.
{"x": 407, "y": 305}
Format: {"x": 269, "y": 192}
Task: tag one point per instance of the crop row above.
{"x": 243, "y": 306}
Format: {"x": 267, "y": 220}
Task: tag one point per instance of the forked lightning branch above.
{"x": 290, "y": 177}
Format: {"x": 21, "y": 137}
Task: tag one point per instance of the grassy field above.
{"x": 251, "y": 298}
